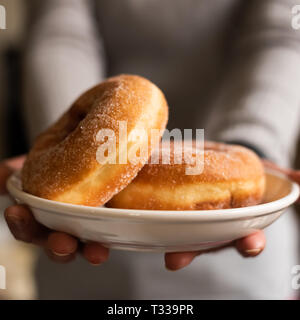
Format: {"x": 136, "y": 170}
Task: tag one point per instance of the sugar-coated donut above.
{"x": 63, "y": 166}
{"x": 232, "y": 176}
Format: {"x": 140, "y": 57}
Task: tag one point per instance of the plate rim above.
{"x": 73, "y": 210}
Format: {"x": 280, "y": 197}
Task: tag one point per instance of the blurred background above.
{"x": 10, "y": 90}
{"x": 17, "y": 258}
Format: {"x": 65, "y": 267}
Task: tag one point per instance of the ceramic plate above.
{"x": 160, "y": 231}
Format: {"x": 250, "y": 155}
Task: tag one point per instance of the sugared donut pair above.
{"x": 63, "y": 164}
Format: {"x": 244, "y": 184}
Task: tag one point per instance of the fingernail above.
{"x": 173, "y": 270}
{"x": 60, "y": 254}
{"x": 95, "y": 264}
{"x": 253, "y": 251}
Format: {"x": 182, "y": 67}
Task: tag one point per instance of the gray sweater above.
{"x": 231, "y": 67}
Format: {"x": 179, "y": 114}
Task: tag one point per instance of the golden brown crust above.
{"x": 233, "y": 176}
{"x": 62, "y": 164}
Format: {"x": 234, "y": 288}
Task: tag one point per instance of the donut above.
{"x": 63, "y": 165}
{"x": 232, "y": 176}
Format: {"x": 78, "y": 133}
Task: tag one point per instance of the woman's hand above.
{"x": 59, "y": 246}
{"x": 62, "y": 247}
{"x": 291, "y": 173}
{"x": 250, "y": 246}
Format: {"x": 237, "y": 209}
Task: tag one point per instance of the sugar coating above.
{"x": 233, "y": 176}
{"x": 222, "y": 162}
{"x": 62, "y": 164}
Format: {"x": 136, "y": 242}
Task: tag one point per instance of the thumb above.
{"x": 5, "y": 172}
{"x": 7, "y": 167}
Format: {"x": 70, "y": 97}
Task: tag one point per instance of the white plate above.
{"x": 160, "y": 231}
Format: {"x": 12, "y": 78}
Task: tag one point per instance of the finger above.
{"x": 5, "y": 172}
{"x": 252, "y": 245}
{"x": 23, "y": 225}
{"x": 95, "y": 253}
{"x": 61, "y": 244}
{"x": 274, "y": 166}
{"x": 294, "y": 175}
{"x": 6, "y": 169}
{"x": 178, "y": 260}
{"x": 15, "y": 163}
{"x": 60, "y": 258}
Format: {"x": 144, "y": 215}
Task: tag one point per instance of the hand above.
{"x": 59, "y": 246}
{"x": 62, "y": 247}
{"x": 294, "y": 175}
{"x": 250, "y": 246}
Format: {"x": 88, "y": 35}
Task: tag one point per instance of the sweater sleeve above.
{"x": 64, "y": 57}
{"x": 258, "y": 101}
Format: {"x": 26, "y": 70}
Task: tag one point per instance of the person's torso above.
{"x": 179, "y": 45}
